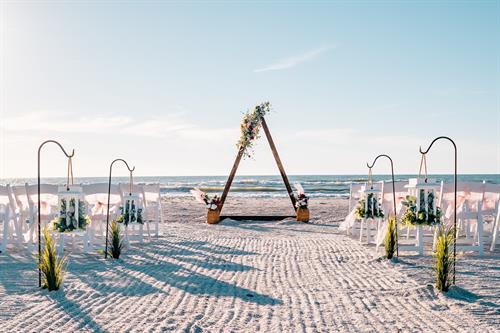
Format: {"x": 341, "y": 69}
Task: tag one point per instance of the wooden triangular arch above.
{"x": 283, "y": 176}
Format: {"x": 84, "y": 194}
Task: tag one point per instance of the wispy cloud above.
{"x": 171, "y": 125}
{"x": 293, "y": 61}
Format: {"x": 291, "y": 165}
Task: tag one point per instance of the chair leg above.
{"x": 434, "y": 238}
{"x": 86, "y": 242}
{"x": 32, "y": 229}
{"x": 3, "y": 246}
{"x": 141, "y": 233}
{"x": 60, "y": 247}
{"x": 368, "y": 231}
{"x": 361, "y": 226}
{"x": 479, "y": 232}
{"x": 158, "y": 221}
{"x": 494, "y": 234}
{"x": 420, "y": 240}
{"x": 127, "y": 241}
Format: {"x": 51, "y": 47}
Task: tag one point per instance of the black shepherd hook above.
{"x": 454, "y": 200}
{"x": 393, "y": 193}
{"x": 109, "y": 193}
{"x": 39, "y": 204}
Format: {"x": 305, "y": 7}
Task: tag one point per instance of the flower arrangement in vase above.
{"x": 250, "y": 127}
{"x": 212, "y": 204}
{"x": 301, "y": 203}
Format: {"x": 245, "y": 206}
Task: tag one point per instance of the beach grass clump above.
{"x": 444, "y": 259}
{"x": 52, "y": 268}
{"x": 390, "y": 238}
{"x": 116, "y": 243}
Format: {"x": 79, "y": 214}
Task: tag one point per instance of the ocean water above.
{"x": 256, "y": 186}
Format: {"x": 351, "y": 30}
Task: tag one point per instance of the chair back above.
{"x": 137, "y": 189}
{"x": 354, "y": 194}
{"x": 21, "y": 201}
{"x": 48, "y": 199}
{"x": 96, "y": 197}
{"x": 470, "y": 196}
{"x": 5, "y": 203}
{"x": 388, "y": 199}
{"x": 491, "y": 199}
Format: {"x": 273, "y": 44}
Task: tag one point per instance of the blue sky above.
{"x": 164, "y": 84}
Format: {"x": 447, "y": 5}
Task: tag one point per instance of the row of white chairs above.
{"x": 478, "y": 216}
{"x": 19, "y": 212}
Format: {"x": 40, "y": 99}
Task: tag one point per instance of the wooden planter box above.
{"x": 303, "y": 214}
{"x": 213, "y": 216}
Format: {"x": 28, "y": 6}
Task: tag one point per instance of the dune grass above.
{"x": 390, "y": 238}
{"x": 116, "y": 243}
{"x": 52, "y": 268}
{"x": 444, "y": 259}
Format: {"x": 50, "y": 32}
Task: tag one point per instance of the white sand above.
{"x": 249, "y": 276}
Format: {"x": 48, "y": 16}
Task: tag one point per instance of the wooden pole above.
{"x": 278, "y": 162}
{"x": 230, "y": 178}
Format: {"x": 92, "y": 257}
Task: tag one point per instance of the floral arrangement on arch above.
{"x": 128, "y": 213}
{"x": 301, "y": 200}
{"x": 212, "y": 203}
{"x": 422, "y": 217}
{"x": 250, "y": 127}
{"x": 68, "y": 220}
{"x": 372, "y": 210}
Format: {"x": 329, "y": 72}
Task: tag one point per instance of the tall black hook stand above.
{"x": 454, "y": 200}
{"x": 393, "y": 194}
{"x": 109, "y": 194}
{"x": 39, "y": 205}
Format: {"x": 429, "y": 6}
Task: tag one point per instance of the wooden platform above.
{"x": 257, "y": 217}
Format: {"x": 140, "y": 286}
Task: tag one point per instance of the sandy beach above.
{"x": 249, "y": 276}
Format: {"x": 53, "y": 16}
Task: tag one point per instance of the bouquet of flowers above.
{"x": 200, "y": 196}
{"x": 128, "y": 213}
{"x": 67, "y": 220}
{"x": 373, "y": 210}
{"x": 300, "y": 197}
{"x": 423, "y": 216}
{"x": 250, "y": 126}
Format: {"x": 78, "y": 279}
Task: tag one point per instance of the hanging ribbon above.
{"x": 131, "y": 181}
{"x": 70, "y": 173}
{"x": 370, "y": 178}
{"x": 423, "y": 163}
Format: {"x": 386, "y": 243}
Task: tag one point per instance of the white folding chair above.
{"x": 367, "y": 225}
{"x": 152, "y": 203}
{"x": 388, "y": 207}
{"x": 130, "y": 229}
{"x": 7, "y": 215}
{"x": 490, "y": 210}
{"x": 96, "y": 199}
{"x": 470, "y": 196}
{"x": 350, "y": 219}
{"x": 49, "y": 208}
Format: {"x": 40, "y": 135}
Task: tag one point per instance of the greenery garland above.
{"x": 412, "y": 217}
{"x": 61, "y": 224}
{"x": 373, "y": 211}
{"x": 250, "y": 127}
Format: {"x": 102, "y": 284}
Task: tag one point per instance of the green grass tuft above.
{"x": 52, "y": 268}
{"x": 444, "y": 259}
{"x": 390, "y": 238}
{"x": 116, "y": 241}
